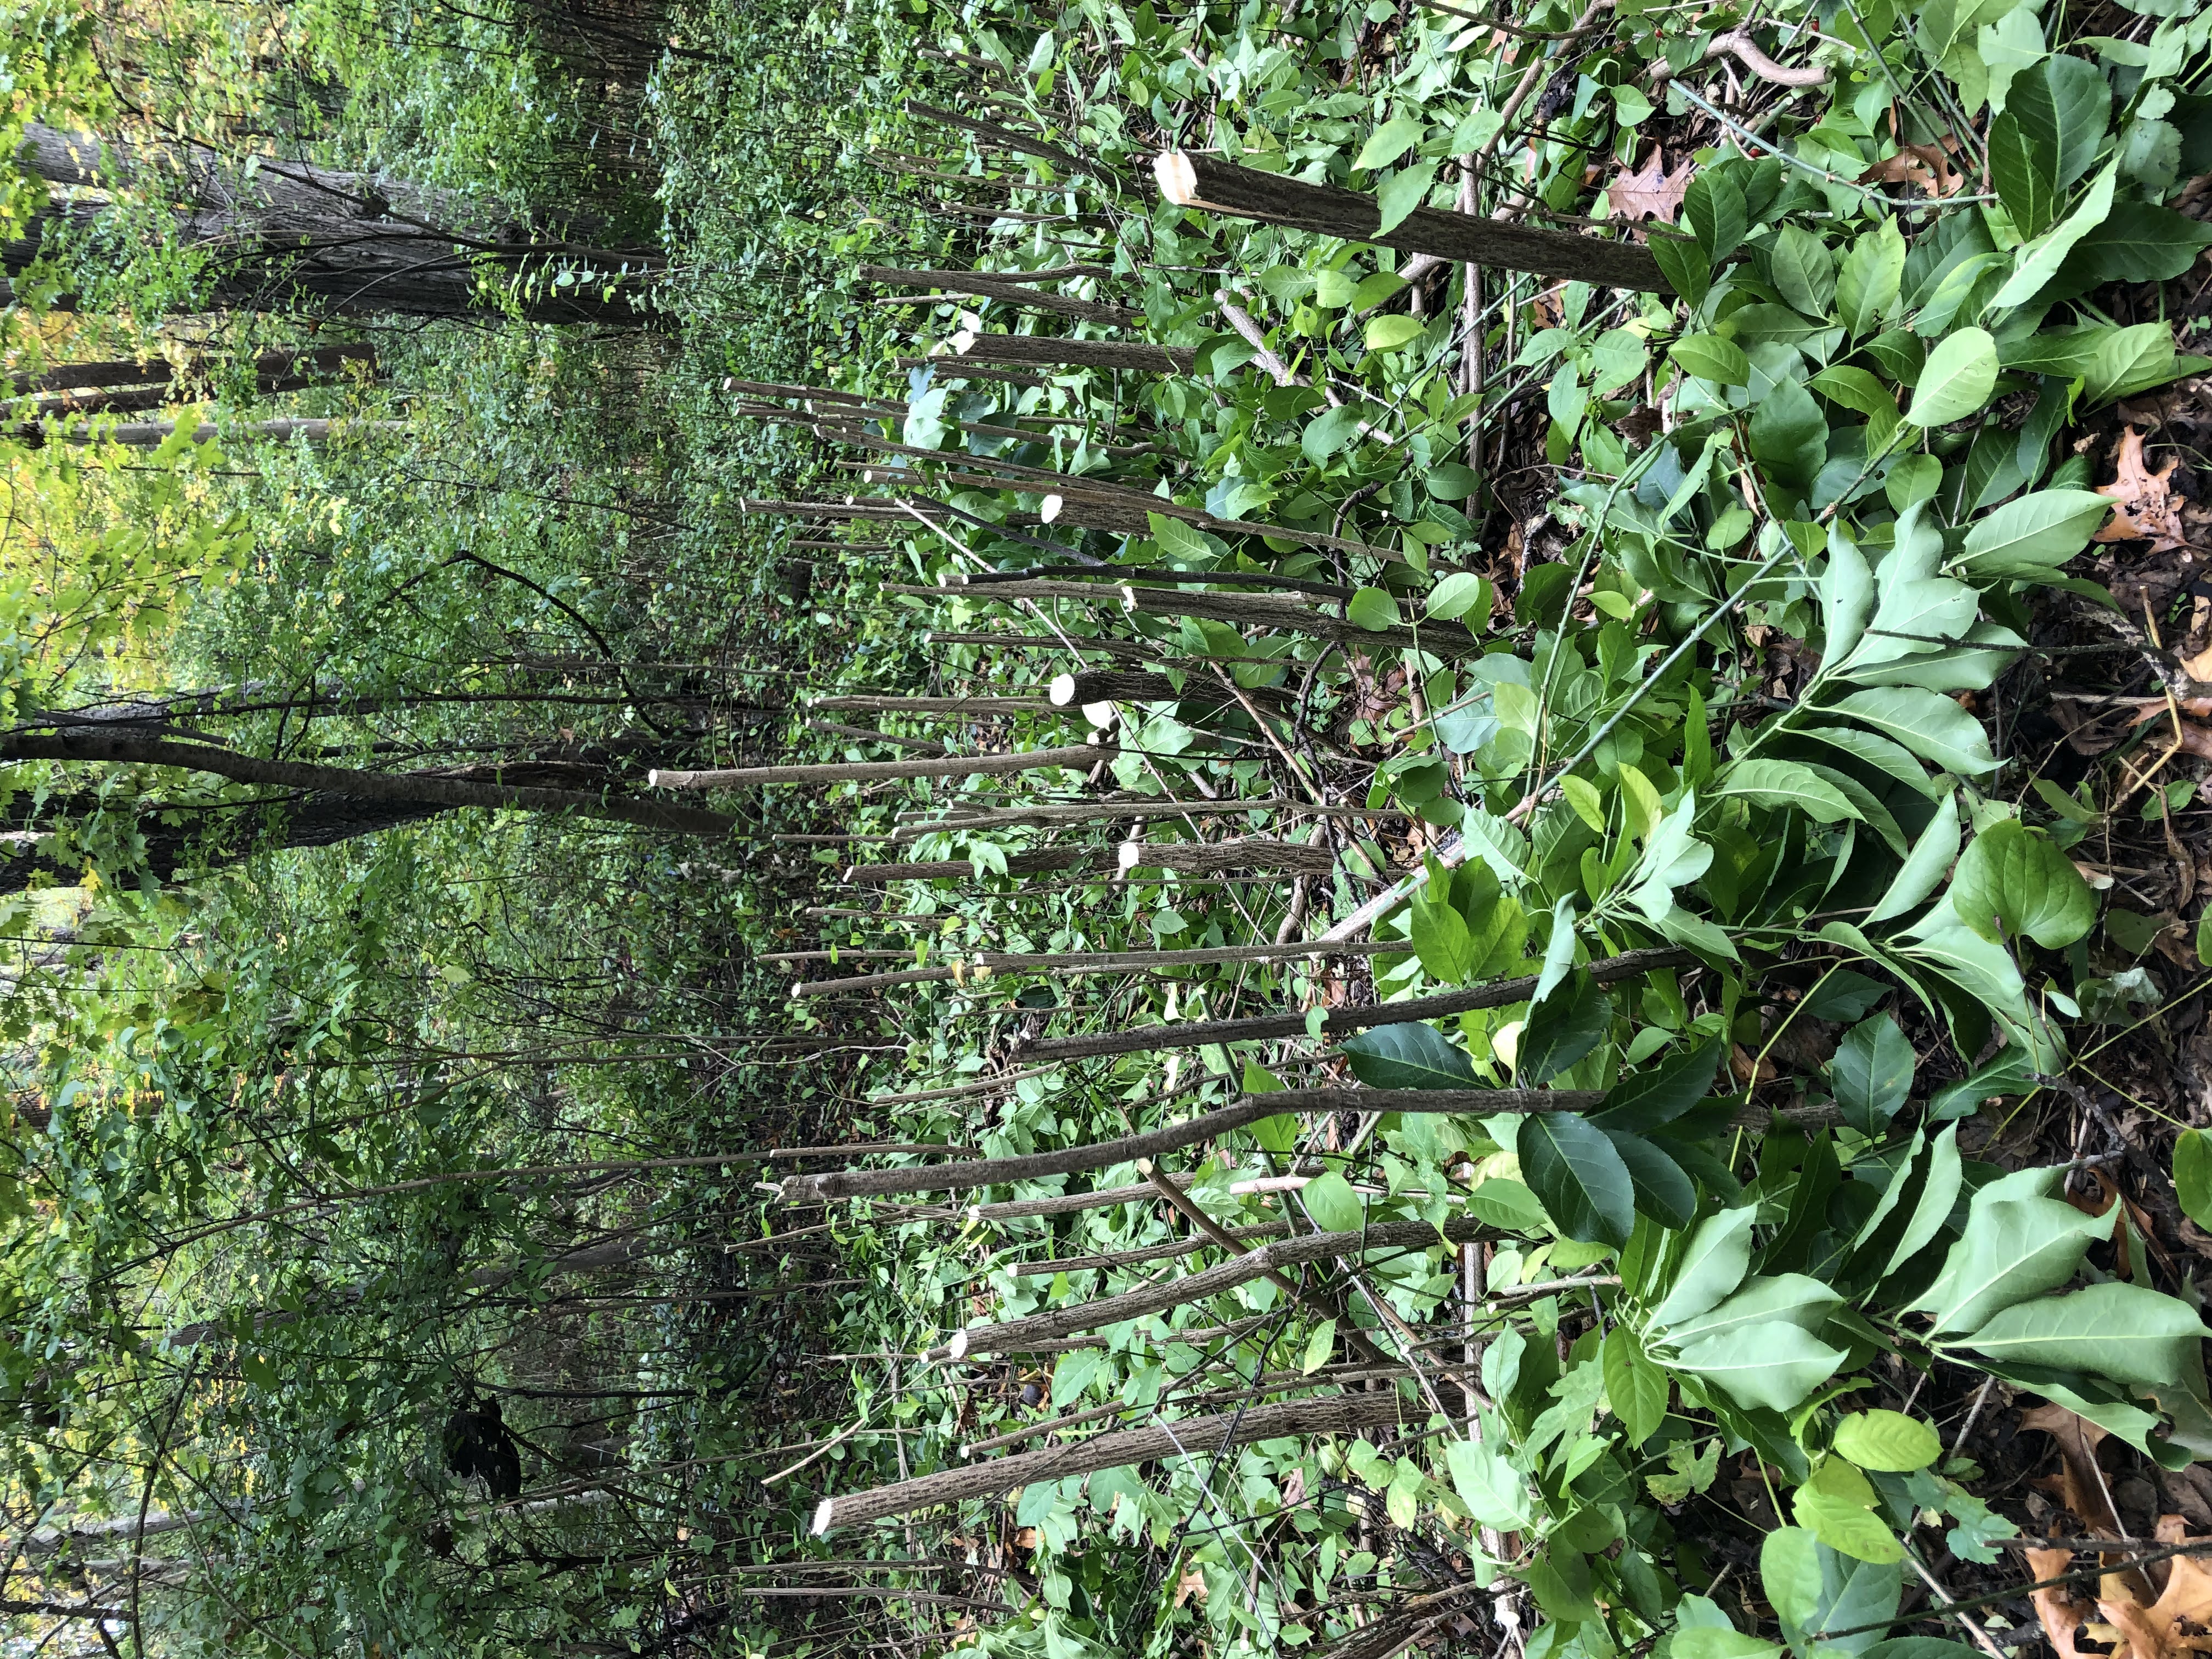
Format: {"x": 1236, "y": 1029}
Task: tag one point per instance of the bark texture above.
{"x": 281, "y": 232}
{"x": 1201, "y": 1437}
{"x": 1210, "y": 184}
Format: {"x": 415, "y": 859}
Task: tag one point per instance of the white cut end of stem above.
{"x": 1178, "y": 178}
{"x": 1126, "y": 854}
{"x": 1100, "y": 714}
{"x": 1061, "y": 692}
{"x": 652, "y": 780}
{"x": 822, "y": 1516}
{"x": 957, "y": 1347}
{"x": 1048, "y": 509}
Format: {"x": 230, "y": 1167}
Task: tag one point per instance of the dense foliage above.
{"x": 1684, "y": 789}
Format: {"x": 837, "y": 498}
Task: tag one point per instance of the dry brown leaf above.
{"x": 1192, "y": 1583}
{"x": 2145, "y": 506}
{"x": 2060, "y": 1614}
{"x": 1650, "y": 194}
{"x": 1927, "y": 165}
{"x": 2080, "y": 1484}
{"x": 2176, "y": 1623}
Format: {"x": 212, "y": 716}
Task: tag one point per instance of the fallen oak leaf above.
{"x": 1650, "y": 194}
{"x": 1923, "y": 165}
{"x": 2156, "y": 1631}
{"x": 2080, "y": 1483}
{"x": 2144, "y": 509}
{"x": 2060, "y": 1614}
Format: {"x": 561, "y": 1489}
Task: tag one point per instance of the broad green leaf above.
{"x": 1683, "y": 262}
{"x": 2011, "y": 1249}
{"x": 2114, "y": 1330}
{"x": 2192, "y": 1174}
{"x": 1457, "y": 594}
{"x": 1932, "y": 1208}
{"x": 2065, "y": 104}
{"x": 2024, "y": 166}
{"x": 1372, "y": 609}
{"x": 1846, "y": 592}
{"x": 1390, "y": 140}
{"x": 2032, "y": 536}
{"x": 1930, "y": 725}
{"x": 1443, "y": 942}
{"x": 1334, "y": 1207}
{"x": 2013, "y": 881}
{"x": 1923, "y": 868}
{"x": 1837, "y": 1506}
{"x": 1493, "y": 1491}
{"x": 2038, "y": 262}
{"x": 1713, "y": 1263}
{"x": 1388, "y": 333}
{"x": 1790, "y": 434}
{"x": 1562, "y": 1028}
{"x": 1764, "y": 1301}
{"x": 1402, "y": 193}
{"x": 1872, "y": 1073}
{"x": 1589, "y": 806}
{"x": 1880, "y": 753}
{"x": 1411, "y": 1056}
{"x": 1803, "y": 270}
{"x": 1888, "y": 1440}
{"x": 1788, "y": 784}
{"x": 1957, "y": 380}
{"x": 1574, "y": 1170}
{"x": 1868, "y": 285}
{"x": 1662, "y": 1191}
{"x": 1711, "y": 357}
{"x": 1773, "y": 1365}
{"x": 1319, "y": 1346}
{"x": 1329, "y": 432}
{"x": 1718, "y": 1641}
{"x": 1635, "y": 1387}
{"x": 1789, "y": 1572}
{"x": 1660, "y": 1092}
{"x": 2125, "y": 360}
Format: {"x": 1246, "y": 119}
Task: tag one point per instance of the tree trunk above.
{"x": 1210, "y": 185}
{"x": 426, "y": 791}
{"x": 359, "y": 243}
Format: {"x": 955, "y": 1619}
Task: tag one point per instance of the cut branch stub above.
{"x": 1213, "y": 185}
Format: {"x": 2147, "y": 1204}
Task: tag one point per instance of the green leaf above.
{"x": 1660, "y": 1093}
{"x": 2193, "y": 1174}
{"x": 2032, "y": 536}
{"x": 1712, "y": 1264}
{"x": 1579, "y": 1178}
{"x": 2126, "y": 361}
{"x": 1448, "y": 481}
{"x": 1711, "y": 357}
{"x": 1493, "y": 1491}
{"x": 2012, "y": 1248}
{"x": 2137, "y": 242}
{"x": 1683, "y": 262}
{"x": 1846, "y": 592}
{"x": 1872, "y": 1073}
{"x": 1443, "y": 942}
{"x": 1402, "y": 193}
{"x": 1635, "y": 1387}
{"x": 1457, "y": 594}
{"x": 1662, "y": 1191}
{"x": 1837, "y": 1506}
{"x": 2064, "y": 105}
{"x": 2035, "y": 264}
{"x": 2024, "y": 165}
{"x": 1320, "y": 1344}
{"x": 1788, "y": 784}
{"x": 2012, "y": 880}
{"x": 1764, "y": 1301}
{"x": 1790, "y": 434}
{"x": 1388, "y": 333}
{"x": 1329, "y": 432}
{"x": 1718, "y": 1641}
{"x": 1888, "y": 1440}
{"x": 1930, "y": 725}
{"x": 1775, "y": 1366}
{"x": 1562, "y": 1028}
{"x": 1372, "y": 609}
{"x": 2114, "y": 1330}
{"x": 1390, "y": 140}
{"x": 1334, "y": 1207}
{"x": 1868, "y": 285}
{"x": 1957, "y": 380}
{"x": 1412, "y": 1055}
{"x": 1803, "y": 270}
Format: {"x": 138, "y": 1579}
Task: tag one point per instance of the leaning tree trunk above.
{"x": 284, "y": 232}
